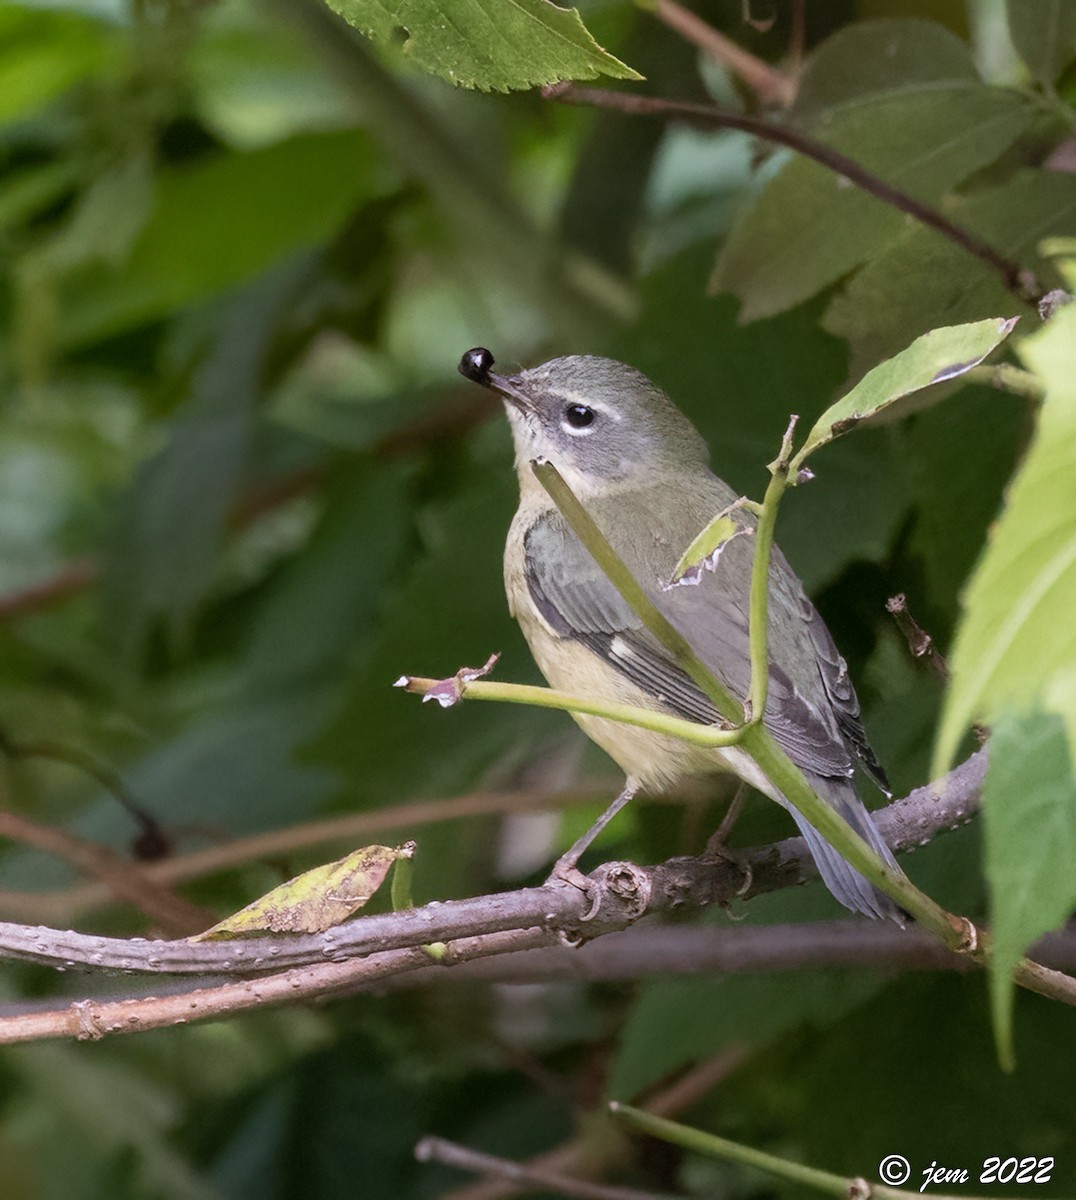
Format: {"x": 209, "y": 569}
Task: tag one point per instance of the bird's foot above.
{"x": 566, "y": 870}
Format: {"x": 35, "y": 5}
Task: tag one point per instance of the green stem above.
{"x": 1006, "y": 377}
{"x": 759, "y": 612}
{"x": 957, "y": 933}
{"x": 719, "y": 1147}
{"x": 400, "y": 893}
{"x": 753, "y": 736}
{"x": 627, "y": 714}
{"x": 628, "y": 586}
{"x": 789, "y": 781}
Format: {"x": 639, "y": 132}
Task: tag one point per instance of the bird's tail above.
{"x": 842, "y": 879}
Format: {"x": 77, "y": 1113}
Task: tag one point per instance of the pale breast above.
{"x": 654, "y": 760}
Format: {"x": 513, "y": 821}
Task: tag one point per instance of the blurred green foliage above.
{"x": 242, "y": 489}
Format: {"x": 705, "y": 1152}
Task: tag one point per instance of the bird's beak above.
{"x": 509, "y": 387}
{"x": 476, "y": 364}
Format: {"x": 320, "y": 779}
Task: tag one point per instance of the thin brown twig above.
{"x": 601, "y": 1144}
{"x": 797, "y": 42}
{"x": 89, "y": 1020}
{"x": 73, "y": 578}
{"x": 1019, "y": 280}
{"x": 920, "y": 643}
{"x": 116, "y": 875}
{"x": 769, "y": 84}
{"x": 65, "y": 905}
{"x": 153, "y": 842}
{"x": 683, "y": 881}
{"x": 452, "y": 1154}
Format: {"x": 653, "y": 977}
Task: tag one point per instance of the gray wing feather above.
{"x": 578, "y": 601}
{"x": 812, "y": 710}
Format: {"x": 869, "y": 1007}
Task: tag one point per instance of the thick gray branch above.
{"x": 622, "y": 893}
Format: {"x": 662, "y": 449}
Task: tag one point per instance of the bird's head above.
{"x": 597, "y": 420}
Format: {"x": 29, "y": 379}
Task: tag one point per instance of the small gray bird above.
{"x": 641, "y": 470}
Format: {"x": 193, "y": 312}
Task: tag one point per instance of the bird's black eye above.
{"x": 579, "y": 416}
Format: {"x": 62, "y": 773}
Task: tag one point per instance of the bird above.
{"x": 641, "y": 470}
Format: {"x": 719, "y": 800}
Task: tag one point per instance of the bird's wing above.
{"x": 577, "y": 600}
{"x": 844, "y": 702}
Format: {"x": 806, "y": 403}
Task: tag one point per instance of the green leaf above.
{"x": 704, "y": 550}
{"x": 317, "y": 899}
{"x": 254, "y": 83}
{"x": 221, "y": 221}
{"x": 933, "y": 358}
{"x": 952, "y": 473}
{"x": 493, "y": 45}
{"x": 25, "y": 193}
{"x": 738, "y": 395}
{"x": 331, "y": 592}
{"x": 810, "y": 227}
{"x": 1029, "y": 815}
{"x": 38, "y": 490}
{"x": 108, "y": 217}
{"x": 672, "y": 1022}
{"x": 878, "y": 58}
{"x": 1044, "y": 34}
{"x": 42, "y": 54}
{"x": 924, "y": 279}
{"x": 1018, "y": 632}
{"x": 170, "y": 524}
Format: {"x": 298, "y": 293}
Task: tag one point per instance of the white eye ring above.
{"x": 578, "y": 419}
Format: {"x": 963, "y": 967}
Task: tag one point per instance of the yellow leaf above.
{"x": 316, "y": 900}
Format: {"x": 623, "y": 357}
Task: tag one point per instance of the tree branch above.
{"x": 375, "y": 949}
{"x": 701, "y": 1142}
{"x": 768, "y": 83}
{"x": 658, "y": 951}
{"x": 117, "y": 875}
{"x": 77, "y": 575}
{"x": 435, "y": 1149}
{"x": 677, "y": 883}
{"x": 64, "y": 906}
{"x": 600, "y": 1145}
{"x": 1018, "y": 280}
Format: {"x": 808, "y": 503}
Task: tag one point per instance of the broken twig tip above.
{"x": 449, "y": 692}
